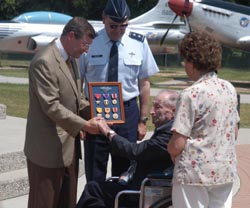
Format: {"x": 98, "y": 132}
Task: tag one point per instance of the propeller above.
{"x": 187, "y": 23}
{"x": 166, "y": 33}
{"x": 182, "y": 8}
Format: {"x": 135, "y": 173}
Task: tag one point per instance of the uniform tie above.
{"x": 113, "y": 64}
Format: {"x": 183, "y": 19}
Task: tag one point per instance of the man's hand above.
{"x": 91, "y": 126}
{"x": 103, "y": 127}
{"x": 142, "y": 130}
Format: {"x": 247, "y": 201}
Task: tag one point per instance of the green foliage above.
{"x": 90, "y": 9}
{"x": 243, "y": 2}
{"x": 7, "y": 8}
{"x": 139, "y": 7}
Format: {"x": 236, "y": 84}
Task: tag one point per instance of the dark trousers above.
{"x": 52, "y": 187}
{"x": 98, "y": 148}
{"x": 102, "y": 195}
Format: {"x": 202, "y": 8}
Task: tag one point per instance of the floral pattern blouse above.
{"x": 207, "y": 114}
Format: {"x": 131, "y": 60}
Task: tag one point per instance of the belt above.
{"x": 129, "y": 102}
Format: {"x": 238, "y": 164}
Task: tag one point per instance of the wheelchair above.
{"x": 155, "y": 191}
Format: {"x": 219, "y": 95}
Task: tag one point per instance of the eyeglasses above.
{"x": 123, "y": 26}
{"x": 84, "y": 44}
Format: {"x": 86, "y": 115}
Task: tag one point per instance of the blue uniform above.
{"x": 135, "y": 62}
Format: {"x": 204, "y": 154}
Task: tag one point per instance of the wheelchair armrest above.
{"x": 166, "y": 174}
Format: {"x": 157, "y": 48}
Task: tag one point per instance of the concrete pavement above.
{"x": 13, "y": 80}
{"x": 12, "y": 140}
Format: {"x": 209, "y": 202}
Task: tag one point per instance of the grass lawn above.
{"x": 224, "y": 73}
{"x": 16, "y": 96}
{"x": 21, "y": 73}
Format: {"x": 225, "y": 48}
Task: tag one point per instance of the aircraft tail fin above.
{"x": 160, "y": 14}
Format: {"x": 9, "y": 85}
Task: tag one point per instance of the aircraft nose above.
{"x": 181, "y": 7}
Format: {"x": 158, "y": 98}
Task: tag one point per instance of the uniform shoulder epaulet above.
{"x": 137, "y": 36}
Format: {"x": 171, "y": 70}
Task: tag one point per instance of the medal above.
{"x": 114, "y": 109}
{"x": 113, "y": 95}
{"x": 114, "y": 98}
{"x": 115, "y": 116}
{"x": 99, "y": 110}
{"x": 107, "y": 110}
{"x": 105, "y": 95}
{"x": 97, "y": 96}
{"x": 106, "y": 102}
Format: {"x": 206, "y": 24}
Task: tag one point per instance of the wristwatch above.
{"x": 110, "y": 133}
{"x": 143, "y": 119}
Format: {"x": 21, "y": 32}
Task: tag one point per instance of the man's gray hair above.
{"x": 170, "y": 98}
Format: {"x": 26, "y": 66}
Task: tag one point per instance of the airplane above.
{"x": 30, "y": 32}
{"x": 229, "y": 23}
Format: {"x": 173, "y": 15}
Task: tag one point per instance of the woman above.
{"x": 204, "y": 130}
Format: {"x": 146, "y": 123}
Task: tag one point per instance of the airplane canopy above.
{"x": 43, "y": 17}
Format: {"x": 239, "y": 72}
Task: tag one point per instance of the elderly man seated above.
{"x": 151, "y": 155}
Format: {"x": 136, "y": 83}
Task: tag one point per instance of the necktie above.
{"x": 113, "y": 64}
{"x": 78, "y": 150}
{"x": 69, "y": 64}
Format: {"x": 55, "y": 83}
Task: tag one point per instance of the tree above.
{"x": 8, "y": 8}
{"x": 243, "y": 2}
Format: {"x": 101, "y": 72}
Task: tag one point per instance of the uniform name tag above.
{"x": 97, "y": 56}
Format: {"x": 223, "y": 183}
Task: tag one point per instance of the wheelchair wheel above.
{"x": 163, "y": 203}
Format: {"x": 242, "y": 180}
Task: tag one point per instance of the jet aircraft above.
{"x": 228, "y": 22}
{"x": 30, "y": 32}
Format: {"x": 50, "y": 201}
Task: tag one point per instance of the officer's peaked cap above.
{"x": 117, "y": 10}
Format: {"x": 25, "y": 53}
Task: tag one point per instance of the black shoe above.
{"x": 127, "y": 176}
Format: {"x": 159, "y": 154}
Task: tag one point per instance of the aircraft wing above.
{"x": 27, "y": 44}
{"x": 27, "y": 37}
{"x": 39, "y": 41}
{"x": 244, "y": 40}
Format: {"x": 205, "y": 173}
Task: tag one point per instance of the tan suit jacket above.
{"x": 55, "y": 101}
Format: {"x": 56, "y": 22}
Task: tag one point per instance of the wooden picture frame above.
{"x": 106, "y": 101}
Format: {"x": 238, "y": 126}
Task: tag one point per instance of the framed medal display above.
{"x": 106, "y": 101}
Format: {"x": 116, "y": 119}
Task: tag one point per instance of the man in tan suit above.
{"x": 52, "y": 144}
